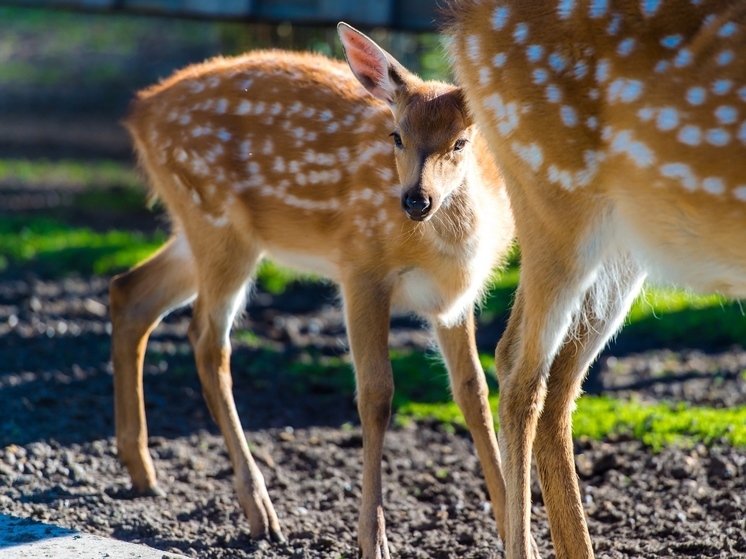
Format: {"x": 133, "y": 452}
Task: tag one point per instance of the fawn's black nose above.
{"x": 417, "y": 206}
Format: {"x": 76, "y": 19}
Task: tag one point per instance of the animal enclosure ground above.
{"x": 58, "y": 461}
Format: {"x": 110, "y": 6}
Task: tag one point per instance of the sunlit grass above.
{"x": 597, "y": 417}
{"x": 58, "y": 249}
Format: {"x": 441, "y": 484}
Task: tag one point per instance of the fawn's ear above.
{"x": 375, "y": 69}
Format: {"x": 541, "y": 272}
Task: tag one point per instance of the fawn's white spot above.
{"x": 592, "y": 122}
{"x": 195, "y": 198}
{"x": 386, "y": 174}
{"x": 185, "y": 119}
{"x": 244, "y": 107}
{"x": 680, "y": 171}
{"x": 534, "y": 52}
{"x": 540, "y": 76}
{"x": 531, "y": 154}
{"x": 580, "y": 70}
{"x": 505, "y": 113}
{"x": 499, "y": 59}
{"x": 646, "y": 114}
{"x": 739, "y": 193}
{"x": 624, "y": 90}
{"x": 565, "y": 8}
{"x": 553, "y": 93}
{"x": 602, "y": 70}
{"x": 222, "y": 106}
{"x": 690, "y": 135}
{"x": 325, "y": 115}
{"x": 245, "y": 84}
{"x": 717, "y": 137}
{"x": 598, "y": 8}
{"x": 521, "y": 33}
{"x": 557, "y": 62}
{"x": 279, "y": 165}
{"x": 661, "y": 66}
{"x": 269, "y": 147}
{"x": 625, "y": 47}
{"x": 721, "y": 87}
{"x": 333, "y": 127}
{"x": 726, "y": 114}
{"x": 224, "y": 135}
{"x": 473, "y": 48}
{"x": 696, "y": 95}
{"x": 196, "y": 87}
{"x": 275, "y": 109}
{"x": 683, "y": 58}
{"x": 254, "y": 168}
{"x": 728, "y": 30}
{"x": 561, "y": 177}
{"x": 713, "y": 185}
{"x": 668, "y": 119}
{"x": 615, "y": 25}
{"x": 569, "y": 116}
{"x": 485, "y": 75}
{"x": 500, "y": 17}
{"x": 199, "y": 167}
{"x": 671, "y": 41}
{"x": 649, "y": 7}
{"x": 636, "y": 150}
{"x": 725, "y": 57}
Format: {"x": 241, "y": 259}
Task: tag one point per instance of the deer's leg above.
{"x": 604, "y": 307}
{"x": 367, "y": 315}
{"x": 138, "y": 300}
{"x": 458, "y": 346}
{"x": 555, "y": 274}
{"x": 223, "y": 273}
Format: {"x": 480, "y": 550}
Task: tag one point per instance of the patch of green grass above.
{"x": 596, "y": 417}
{"x": 56, "y": 249}
{"x": 69, "y": 173}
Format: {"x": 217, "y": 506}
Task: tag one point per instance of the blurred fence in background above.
{"x": 66, "y": 76}
{"x": 412, "y": 15}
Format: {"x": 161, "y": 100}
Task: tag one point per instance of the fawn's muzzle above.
{"x": 417, "y": 206}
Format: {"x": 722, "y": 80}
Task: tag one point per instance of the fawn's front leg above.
{"x": 459, "y": 350}
{"x": 367, "y": 312}
{"x": 222, "y": 276}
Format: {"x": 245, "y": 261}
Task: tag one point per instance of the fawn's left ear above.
{"x": 375, "y": 69}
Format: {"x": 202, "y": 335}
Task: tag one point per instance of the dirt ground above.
{"x": 58, "y": 462}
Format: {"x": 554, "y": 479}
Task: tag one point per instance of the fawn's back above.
{"x": 636, "y": 110}
{"x": 287, "y": 152}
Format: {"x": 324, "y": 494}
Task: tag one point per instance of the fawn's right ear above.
{"x": 375, "y": 69}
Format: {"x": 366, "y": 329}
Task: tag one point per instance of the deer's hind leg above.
{"x": 138, "y": 300}
{"x": 225, "y": 262}
{"x": 604, "y": 307}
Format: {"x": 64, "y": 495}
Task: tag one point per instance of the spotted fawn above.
{"x": 389, "y": 192}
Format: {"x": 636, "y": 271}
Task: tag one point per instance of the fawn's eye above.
{"x": 397, "y": 140}
{"x": 459, "y": 145}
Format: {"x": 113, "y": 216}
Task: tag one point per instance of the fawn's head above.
{"x": 433, "y": 133}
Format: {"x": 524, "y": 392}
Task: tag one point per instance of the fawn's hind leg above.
{"x": 139, "y": 299}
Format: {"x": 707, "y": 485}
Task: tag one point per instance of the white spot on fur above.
{"x": 713, "y": 185}
{"x": 680, "y": 171}
{"x": 636, "y": 150}
{"x": 690, "y": 135}
{"x": 624, "y": 90}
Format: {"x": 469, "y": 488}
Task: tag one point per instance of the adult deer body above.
{"x": 620, "y": 129}
{"x": 286, "y": 155}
